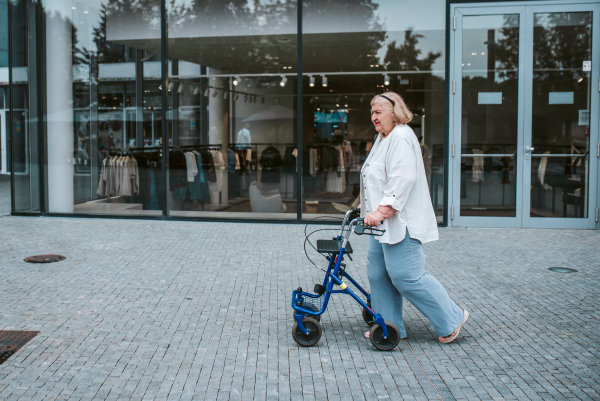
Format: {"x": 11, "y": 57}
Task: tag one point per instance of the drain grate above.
{"x": 562, "y": 270}
{"x": 44, "y": 259}
{"x": 11, "y": 341}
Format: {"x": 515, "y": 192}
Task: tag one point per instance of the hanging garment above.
{"x": 295, "y": 154}
{"x": 124, "y": 177}
{"x": 217, "y": 156}
{"x": 241, "y": 154}
{"x": 102, "y": 189}
{"x": 112, "y": 176}
{"x": 231, "y": 161}
{"x": 150, "y": 180}
{"x": 209, "y": 166}
{"x": 313, "y": 162}
{"x": 191, "y": 166}
{"x": 238, "y": 162}
{"x": 178, "y": 171}
{"x": 289, "y": 161}
{"x": 477, "y": 166}
{"x": 332, "y": 159}
{"x": 135, "y": 177}
{"x": 542, "y": 171}
{"x": 270, "y": 160}
{"x": 335, "y": 180}
{"x": 198, "y": 189}
{"x": 348, "y": 156}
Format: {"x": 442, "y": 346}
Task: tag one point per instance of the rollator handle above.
{"x": 361, "y": 229}
{"x": 354, "y": 213}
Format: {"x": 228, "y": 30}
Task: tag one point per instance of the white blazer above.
{"x": 394, "y": 175}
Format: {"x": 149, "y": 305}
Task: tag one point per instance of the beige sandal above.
{"x": 451, "y": 337}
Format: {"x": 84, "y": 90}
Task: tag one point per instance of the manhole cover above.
{"x": 44, "y": 259}
{"x": 562, "y": 270}
{"x": 11, "y": 341}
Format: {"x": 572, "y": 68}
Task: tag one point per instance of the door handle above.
{"x": 528, "y": 150}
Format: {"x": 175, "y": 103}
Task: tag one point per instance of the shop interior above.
{"x": 232, "y": 122}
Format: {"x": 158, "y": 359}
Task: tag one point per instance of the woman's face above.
{"x": 382, "y": 119}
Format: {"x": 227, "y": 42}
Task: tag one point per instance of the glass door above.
{"x": 561, "y": 142}
{"x": 488, "y": 116}
{"x": 522, "y": 140}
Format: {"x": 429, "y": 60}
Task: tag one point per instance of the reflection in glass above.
{"x": 99, "y": 160}
{"x": 489, "y": 124}
{"x": 560, "y": 114}
{"x": 232, "y": 123}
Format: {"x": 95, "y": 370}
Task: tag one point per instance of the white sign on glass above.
{"x": 560, "y": 98}
{"x": 584, "y": 117}
{"x": 489, "y": 98}
{"x": 587, "y": 66}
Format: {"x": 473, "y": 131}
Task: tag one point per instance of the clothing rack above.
{"x": 192, "y": 147}
{"x": 154, "y": 148}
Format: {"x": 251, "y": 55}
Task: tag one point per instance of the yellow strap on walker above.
{"x": 343, "y": 286}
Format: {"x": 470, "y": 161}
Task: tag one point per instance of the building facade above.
{"x": 259, "y": 110}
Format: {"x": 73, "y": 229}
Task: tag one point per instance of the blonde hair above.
{"x": 401, "y": 113}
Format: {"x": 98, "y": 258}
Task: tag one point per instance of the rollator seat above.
{"x": 332, "y": 246}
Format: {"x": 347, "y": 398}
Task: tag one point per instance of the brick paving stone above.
{"x": 189, "y": 310}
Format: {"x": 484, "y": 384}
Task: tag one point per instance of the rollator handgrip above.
{"x": 354, "y": 213}
{"x": 361, "y": 229}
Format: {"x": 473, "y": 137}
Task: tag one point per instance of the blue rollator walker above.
{"x": 308, "y": 308}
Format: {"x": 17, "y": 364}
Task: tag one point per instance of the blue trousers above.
{"x": 397, "y": 271}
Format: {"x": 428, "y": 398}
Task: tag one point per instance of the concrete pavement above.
{"x": 188, "y": 310}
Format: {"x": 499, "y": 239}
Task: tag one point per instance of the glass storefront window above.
{"x": 103, "y": 157}
{"x": 351, "y": 52}
{"x": 232, "y": 122}
{"x": 232, "y": 101}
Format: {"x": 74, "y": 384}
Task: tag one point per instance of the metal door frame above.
{"x": 3, "y": 134}
{"x": 525, "y": 74}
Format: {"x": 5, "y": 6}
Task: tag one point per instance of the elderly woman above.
{"x": 394, "y": 195}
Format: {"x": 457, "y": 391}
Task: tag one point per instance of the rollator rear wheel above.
{"x": 385, "y": 344}
{"x": 314, "y": 332}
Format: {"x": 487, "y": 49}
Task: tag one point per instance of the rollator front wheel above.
{"x": 381, "y": 343}
{"x": 314, "y": 332}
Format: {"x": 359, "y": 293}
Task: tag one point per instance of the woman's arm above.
{"x": 373, "y": 219}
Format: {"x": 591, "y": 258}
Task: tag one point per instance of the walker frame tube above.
{"x": 331, "y": 278}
